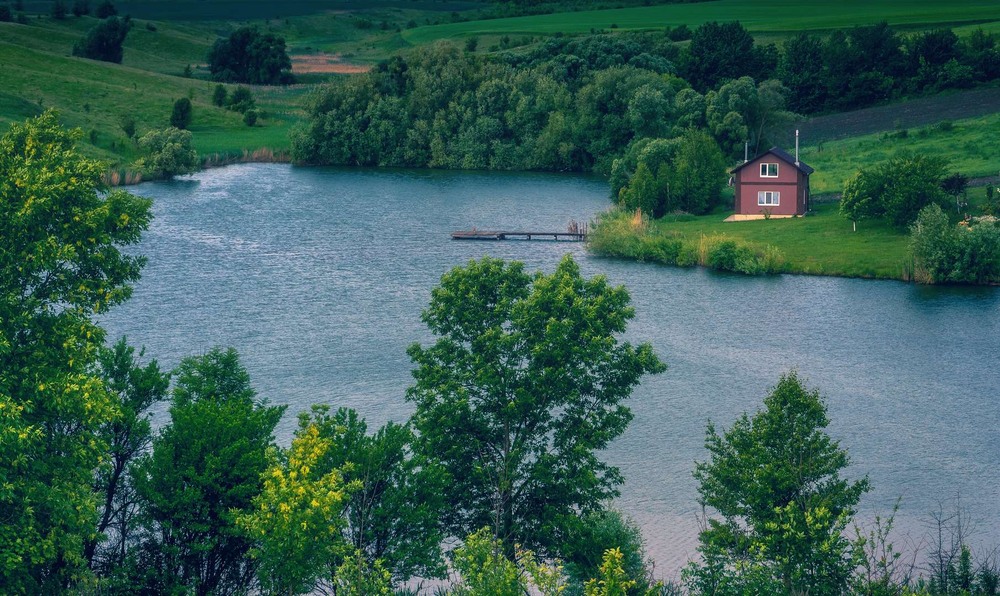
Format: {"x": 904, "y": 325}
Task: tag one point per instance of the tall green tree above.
{"x": 104, "y": 41}
{"x": 61, "y": 263}
{"x": 205, "y": 468}
{"x": 523, "y": 386}
{"x": 393, "y": 515}
{"x": 249, "y": 56}
{"x": 774, "y": 481}
{"x": 134, "y": 389}
{"x": 167, "y": 153}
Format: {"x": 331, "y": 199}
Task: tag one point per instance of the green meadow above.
{"x": 970, "y": 145}
{"x": 783, "y": 17}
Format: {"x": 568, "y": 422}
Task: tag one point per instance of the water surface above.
{"x": 318, "y": 277}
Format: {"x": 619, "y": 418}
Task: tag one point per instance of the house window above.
{"x": 769, "y": 170}
{"x": 768, "y": 198}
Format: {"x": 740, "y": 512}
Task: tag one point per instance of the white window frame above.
{"x": 765, "y": 167}
{"x": 764, "y": 196}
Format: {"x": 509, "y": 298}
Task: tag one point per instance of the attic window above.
{"x": 768, "y": 198}
{"x": 768, "y": 170}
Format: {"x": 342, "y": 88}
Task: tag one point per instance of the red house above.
{"x": 774, "y": 184}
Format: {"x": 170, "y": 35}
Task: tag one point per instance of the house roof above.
{"x": 783, "y": 156}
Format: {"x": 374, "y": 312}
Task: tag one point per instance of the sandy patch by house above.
{"x": 325, "y": 63}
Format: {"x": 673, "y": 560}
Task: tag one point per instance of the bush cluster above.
{"x": 945, "y": 253}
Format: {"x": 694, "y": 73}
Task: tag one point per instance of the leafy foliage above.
{"x": 522, "y": 387}
{"x": 775, "y": 481}
{"x": 61, "y": 233}
{"x": 896, "y": 189}
{"x": 168, "y": 153}
{"x": 104, "y": 41}
{"x": 134, "y": 389}
{"x": 206, "y": 467}
{"x": 392, "y": 516}
{"x": 249, "y": 56}
{"x": 943, "y": 252}
{"x": 180, "y": 117}
{"x": 297, "y": 518}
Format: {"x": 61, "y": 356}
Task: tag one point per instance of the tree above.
{"x": 393, "y": 515}
{"x": 206, "y": 467}
{"x": 523, "y": 385}
{"x": 181, "y": 115}
{"x": 104, "y": 41}
{"x": 241, "y": 100}
{"x": 775, "y": 481}
{"x": 105, "y": 9}
{"x": 698, "y": 174}
{"x": 718, "y": 53}
{"x": 167, "y": 153}
{"x": 58, "y": 11}
{"x": 81, "y": 8}
{"x": 297, "y": 518}
{"x": 219, "y": 95}
{"x": 134, "y": 389}
{"x": 61, "y": 234}
{"x": 896, "y": 189}
{"x": 249, "y": 56}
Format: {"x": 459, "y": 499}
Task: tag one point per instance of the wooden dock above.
{"x": 511, "y": 235}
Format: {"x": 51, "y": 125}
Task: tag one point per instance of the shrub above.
{"x": 250, "y": 117}
{"x": 127, "y": 124}
{"x": 80, "y": 8}
{"x": 944, "y": 253}
{"x": 241, "y": 100}
{"x": 167, "y": 153}
{"x": 219, "y": 95}
{"x": 181, "y": 116}
{"x": 5, "y": 15}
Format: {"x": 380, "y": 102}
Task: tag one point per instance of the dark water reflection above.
{"x": 318, "y": 277}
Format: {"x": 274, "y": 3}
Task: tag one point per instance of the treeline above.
{"x": 577, "y": 104}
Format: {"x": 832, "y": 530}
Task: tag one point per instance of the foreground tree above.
{"x": 775, "y": 481}
{"x": 249, "y": 56}
{"x": 61, "y": 234}
{"x": 134, "y": 389}
{"x": 392, "y": 516}
{"x": 205, "y": 468}
{"x": 524, "y": 384}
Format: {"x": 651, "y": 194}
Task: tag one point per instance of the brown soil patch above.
{"x": 325, "y": 63}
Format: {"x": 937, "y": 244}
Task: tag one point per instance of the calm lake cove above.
{"x": 318, "y": 276}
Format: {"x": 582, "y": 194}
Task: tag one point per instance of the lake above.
{"x": 317, "y": 276}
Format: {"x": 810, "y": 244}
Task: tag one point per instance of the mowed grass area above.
{"x": 821, "y": 244}
{"x": 778, "y": 17}
{"x": 970, "y": 145}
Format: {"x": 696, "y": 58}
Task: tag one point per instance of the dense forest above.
{"x": 577, "y": 104}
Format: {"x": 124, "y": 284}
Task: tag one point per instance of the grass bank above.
{"x": 820, "y": 244}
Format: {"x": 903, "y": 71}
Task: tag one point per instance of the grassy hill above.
{"x": 780, "y": 17}
{"x": 38, "y": 70}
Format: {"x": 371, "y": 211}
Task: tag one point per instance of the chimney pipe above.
{"x": 796, "y": 146}
{"x": 746, "y": 151}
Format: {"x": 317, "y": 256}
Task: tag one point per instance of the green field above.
{"x": 783, "y": 17}
{"x": 970, "y": 145}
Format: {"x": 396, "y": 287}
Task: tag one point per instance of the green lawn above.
{"x": 821, "y": 244}
{"x": 773, "y": 17}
